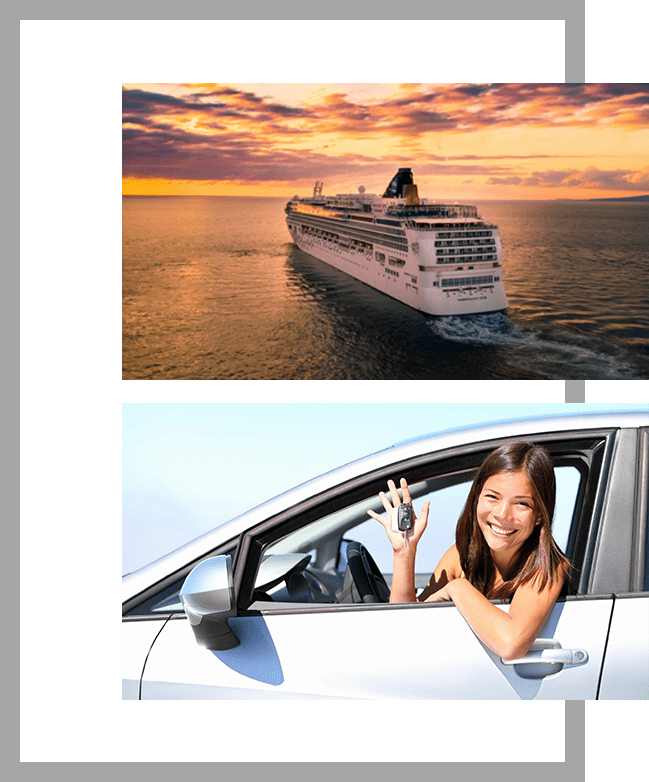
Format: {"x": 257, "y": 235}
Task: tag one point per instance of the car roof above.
{"x": 134, "y": 583}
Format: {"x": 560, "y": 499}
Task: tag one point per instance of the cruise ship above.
{"x": 442, "y": 259}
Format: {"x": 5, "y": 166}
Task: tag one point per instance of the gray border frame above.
{"x": 573, "y": 13}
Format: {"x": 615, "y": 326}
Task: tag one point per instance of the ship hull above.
{"x": 421, "y": 287}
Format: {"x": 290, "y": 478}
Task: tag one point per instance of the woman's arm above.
{"x": 402, "y": 589}
{"x": 508, "y": 635}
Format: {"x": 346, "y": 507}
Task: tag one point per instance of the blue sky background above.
{"x": 189, "y": 467}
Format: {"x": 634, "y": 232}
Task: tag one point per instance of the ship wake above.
{"x": 548, "y": 353}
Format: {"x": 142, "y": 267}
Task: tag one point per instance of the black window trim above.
{"x": 592, "y": 448}
{"x": 641, "y": 533}
{"x": 139, "y": 607}
{"x": 589, "y": 450}
{"x": 623, "y": 568}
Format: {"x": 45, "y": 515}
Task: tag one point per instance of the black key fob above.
{"x": 404, "y": 517}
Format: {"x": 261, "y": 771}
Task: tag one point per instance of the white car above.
{"x": 287, "y": 601}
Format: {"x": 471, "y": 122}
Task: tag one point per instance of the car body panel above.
{"x": 388, "y": 652}
{"x": 137, "y": 640}
{"x": 626, "y": 668}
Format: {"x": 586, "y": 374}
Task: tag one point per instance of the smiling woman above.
{"x": 505, "y": 515}
{"x": 515, "y": 491}
{"x": 504, "y": 549}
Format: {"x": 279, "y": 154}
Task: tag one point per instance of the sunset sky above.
{"x": 463, "y": 141}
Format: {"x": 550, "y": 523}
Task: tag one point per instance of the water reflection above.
{"x": 213, "y": 288}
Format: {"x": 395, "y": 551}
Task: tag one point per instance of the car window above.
{"x": 577, "y": 467}
{"x": 446, "y": 505}
{"x": 167, "y": 600}
{"x": 163, "y": 602}
{"x": 322, "y": 539}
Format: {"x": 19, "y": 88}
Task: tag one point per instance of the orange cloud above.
{"x": 221, "y": 133}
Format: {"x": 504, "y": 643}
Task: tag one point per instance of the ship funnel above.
{"x": 411, "y": 195}
{"x": 401, "y": 178}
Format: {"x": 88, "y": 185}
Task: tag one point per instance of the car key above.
{"x": 402, "y": 520}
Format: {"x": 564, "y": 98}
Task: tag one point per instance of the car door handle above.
{"x": 549, "y": 652}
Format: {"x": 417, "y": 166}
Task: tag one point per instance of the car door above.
{"x": 421, "y": 651}
{"x": 137, "y": 639}
{"x": 346, "y": 650}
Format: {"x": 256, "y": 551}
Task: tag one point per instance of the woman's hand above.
{"x": 390, "y": 504}
{"x": 441, "y": 595}
{"x": 446, "y": 592}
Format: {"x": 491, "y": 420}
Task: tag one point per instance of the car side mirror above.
{"x": 208, "y": 600}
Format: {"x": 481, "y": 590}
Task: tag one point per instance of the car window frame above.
{"x": 141, "y": 606}
{"x": 589, "y": 449}
{"x": 642, "y": 509}
{"x": 353, "y": 523}
{"x": 622, "y": 569}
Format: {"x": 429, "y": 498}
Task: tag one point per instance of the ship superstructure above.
{"x": 442, "y": 259}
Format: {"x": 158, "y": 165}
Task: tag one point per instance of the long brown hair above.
{"x": 539, "y": 559}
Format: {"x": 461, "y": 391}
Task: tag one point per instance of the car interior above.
{"x": 336, "y": 559}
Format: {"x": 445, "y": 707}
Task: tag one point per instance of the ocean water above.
{"x": 214, "y": 288}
